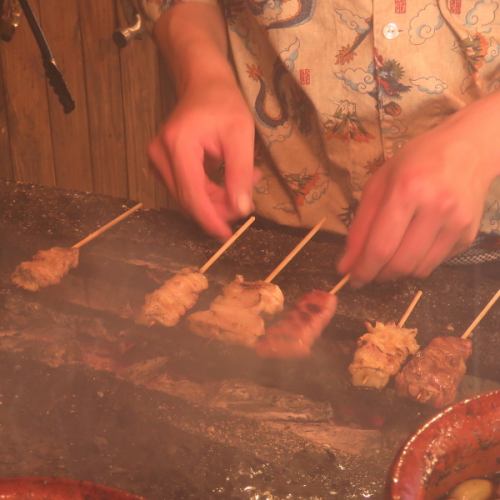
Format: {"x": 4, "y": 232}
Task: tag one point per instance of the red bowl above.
{"x": 53, "y": 488}
{"x": 460, "y": 443}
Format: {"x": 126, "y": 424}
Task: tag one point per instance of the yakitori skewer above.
{"x": 167, "y": 304}
{"x": 294, "y": 334}
{"x": 383, "y": 349}
{"x": 434, "y": 374}
{"x": 48, "y": 267}
{"x": 237, "y": 315}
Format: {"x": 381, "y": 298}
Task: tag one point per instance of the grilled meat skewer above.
{"x": 433, "y": 375}
{"x": 380, "y": 354}
{"x": 46, "y": 268}
{"x": 167, "y": 304}
{"x": 235, "y": 315}
{"x": 294, "y": 334}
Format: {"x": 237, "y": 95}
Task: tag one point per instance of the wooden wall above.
{"x": 121, "y": 97}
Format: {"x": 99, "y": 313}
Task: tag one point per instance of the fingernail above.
{"x": 244, "y": 203}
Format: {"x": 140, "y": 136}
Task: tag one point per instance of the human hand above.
{"x": 210, "y": 122}
{"x": 423, "y": 205}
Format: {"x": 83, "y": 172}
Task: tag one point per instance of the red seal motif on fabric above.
{"x": 455, "y": 6}
{"x": 305, "y": 76}
{"x": 392, "y": 108}
{"x": 400, "y": 6}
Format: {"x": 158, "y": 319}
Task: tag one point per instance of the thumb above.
{"x": 360, "y": 228}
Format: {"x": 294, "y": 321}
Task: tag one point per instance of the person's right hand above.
{"x": 210, "y": 122}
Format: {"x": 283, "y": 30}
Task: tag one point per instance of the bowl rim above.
{"x": 425, "y": 433}
{"x": 27, "y": 481}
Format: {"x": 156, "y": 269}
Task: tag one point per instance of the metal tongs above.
{"x": 53, "y": 73}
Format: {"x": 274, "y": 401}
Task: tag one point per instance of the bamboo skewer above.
{"x": 340, "y": 284}
{"x": 295, "y": 251}
{"x": 107, "y": 226}
{"x": 410, "y": 308}
{"x": 211, "y": 261}
{"x": 481, "y": 315}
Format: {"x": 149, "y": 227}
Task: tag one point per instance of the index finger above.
{"x": 191, "y": 182}
{"x": 386, "y": 233}
{"x": 358, "y": 233}
{"x": 237, "y": 149}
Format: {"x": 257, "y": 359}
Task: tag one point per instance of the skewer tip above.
{"x": 211, "y": 261}
{"x": 340, "y": 284}
{"x": 92, "y": 236}
{"x": 481, "y": 315}
{"x": 295, "y": 250}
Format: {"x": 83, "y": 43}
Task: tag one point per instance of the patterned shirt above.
{"x": 338, "y": 87}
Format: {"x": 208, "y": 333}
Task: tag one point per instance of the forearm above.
{"x": 192, "y": 38}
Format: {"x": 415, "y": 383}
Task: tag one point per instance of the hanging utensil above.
{"x": 53, "y": 73}
{"x": 123, "y": 36}
{"x": 128, "y": 16}
{"x": 10, "y": 14}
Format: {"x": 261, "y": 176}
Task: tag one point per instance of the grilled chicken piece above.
{"x": 48, "y": 267}
{"x": 294, "y": 334}
{"x": 380, "y": 354}
{"x": 232, "y": 326}
{"x": 173, "y": 299}
{"x": 234, "y": 316}
{"x": 256, "y": 296}
{"x": 434, "y": 374}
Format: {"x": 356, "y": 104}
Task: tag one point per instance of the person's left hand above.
{"x": 424, "y": 205}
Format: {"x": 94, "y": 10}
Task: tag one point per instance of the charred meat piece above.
{"x": 169, "y": 303}
{"x": 380, "y": 354}
{"x": 294, "y": 334}
{"x": 235, "y": 316}
{"x": 434, "y": 374}
{"x": 48, "y": 267}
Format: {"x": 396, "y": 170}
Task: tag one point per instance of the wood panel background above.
{"x": 121, "y": 96}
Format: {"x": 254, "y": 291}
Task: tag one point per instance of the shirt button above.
{"x": 391, "y": 31}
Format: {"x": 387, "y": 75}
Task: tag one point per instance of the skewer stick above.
{"x": 295, "y": 251}
{"x": 107, "y": 226}
{"x": 410, "y": 308}
{"x": 209, "y": 263}
{"x": 340, "y": 284}
{"x": 481, "y": 315}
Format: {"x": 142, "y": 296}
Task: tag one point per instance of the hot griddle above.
{"x": 85, "y": 393}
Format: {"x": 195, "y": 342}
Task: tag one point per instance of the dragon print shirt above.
{"x": 337, "y": 87}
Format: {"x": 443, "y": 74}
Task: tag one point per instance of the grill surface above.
{"x": 85, "y": 393}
